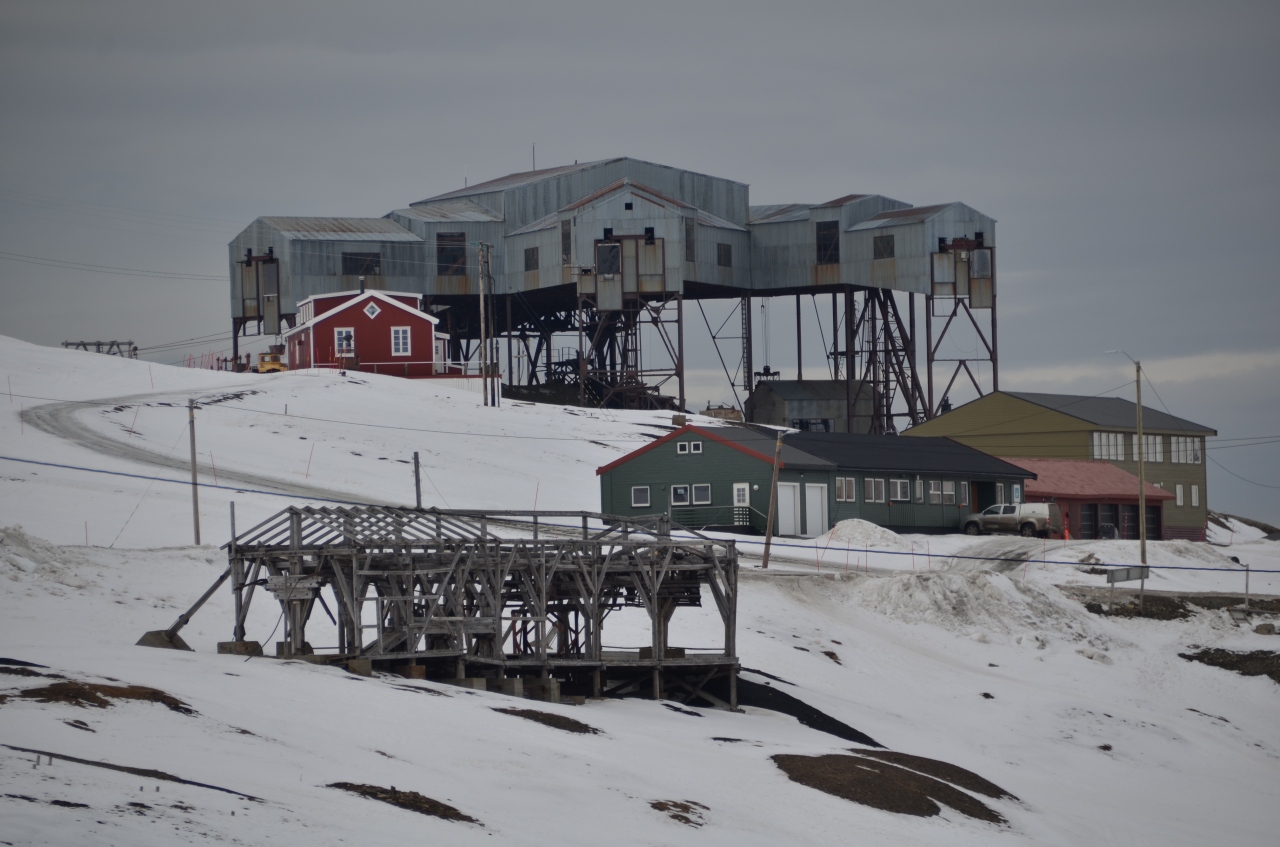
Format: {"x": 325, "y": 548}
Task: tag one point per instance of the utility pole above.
{"x": 1142, "y": 486}
{"x": 195, "y": 497}
{"x": 484, "y": 347}
{"x": 773, "y": 503}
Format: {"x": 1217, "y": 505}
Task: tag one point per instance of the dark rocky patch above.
{"x": 882, "y": 786}
{"x": 411, "y": 800}
{"x": 945, "y": 771}
{"x": 831, "y": 654}
{"x": 100, "y": 696}
{"x": 686, "y": 812}
{"x": 548, "y": 719}
{"x": 682, "y": 711}
{"x": 764, "y": 696}
{"x": 1253, "y": 663}
{"x": 80, "y": 725}
{"x": 1154, "y": 606}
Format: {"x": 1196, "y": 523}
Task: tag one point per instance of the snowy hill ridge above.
{"x": 1094, "y": 724}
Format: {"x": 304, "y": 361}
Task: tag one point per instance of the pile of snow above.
{"x": 985, "y": 602}
{"x": 857, "y": 533}
{"x": 1226, "y": 530}
{"x": 26, "y": 558}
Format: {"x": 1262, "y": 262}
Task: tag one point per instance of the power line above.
{"x": 106, "y": 269}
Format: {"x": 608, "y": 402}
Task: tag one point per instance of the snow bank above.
{"x": 24, "y": 557}
{"x": 859, "y": 533}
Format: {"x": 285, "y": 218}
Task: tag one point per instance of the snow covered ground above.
{"x": 958, "y": 649}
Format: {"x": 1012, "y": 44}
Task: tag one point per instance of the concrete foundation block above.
{"x": 546, "y": 690}
{"x": 511, "y": 686}
{"x": 161, "y": 638}
{"x": 411, "y": 671}
{"x": 360, "y": 667}
{"x": 240, "y": 648}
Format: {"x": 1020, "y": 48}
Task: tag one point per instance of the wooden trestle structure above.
{"x": 495, "y": 594}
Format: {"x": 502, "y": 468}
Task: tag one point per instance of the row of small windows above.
{"x": 941, "y": 492}
{"x": 698, "y": 494}
{"x": 683, "y": 447}
{"x": 344, "y": 341}
{"x": 828, "y": 243}
{"x": 1183, "y": 450}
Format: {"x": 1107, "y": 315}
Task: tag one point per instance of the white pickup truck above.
{"x": 1026, "y": 519}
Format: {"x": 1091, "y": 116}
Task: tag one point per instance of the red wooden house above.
{"x": 381, "y": 332}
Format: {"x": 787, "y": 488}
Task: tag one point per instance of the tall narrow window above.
{"x": 531, "y": 258}
{"x": 724, "y": 255}
{"x": 566, "y": 243}
{"x": 451, "y": 254}
{"x": 1177, "y": 492}
{"x": 1195, "y": 495}
{"x": 344, "y": 341}
{"x": 882, "y": 247}
{"x": 949, "y": 492}
{"x": 935, "y": 492}
{"x": 964, "y": 494}
{"x": 608, "y": 258}
{"x": 690, "y": 247}
{"x": 828, "y": 242}
{"x": 400, "y": 341}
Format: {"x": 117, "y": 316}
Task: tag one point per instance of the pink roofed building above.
{"x": 1093, "y": 493}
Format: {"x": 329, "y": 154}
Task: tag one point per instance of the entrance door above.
{"x": 788, "y": 508}
{"x": 815, "y": 510}
{"x": 741, "y": 503}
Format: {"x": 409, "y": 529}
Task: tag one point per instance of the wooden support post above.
{"x": 799, "y": 345}
{"x": 417, "y": 479}
{"x": 237, "y": 579}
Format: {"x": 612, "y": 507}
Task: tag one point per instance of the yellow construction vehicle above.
{"x": 271, "y": 361}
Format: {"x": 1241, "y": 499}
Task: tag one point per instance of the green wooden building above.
{"x": 719, "y": 477}
{"x": 1067, "y": 426}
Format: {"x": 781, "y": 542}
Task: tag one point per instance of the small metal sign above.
{"x": 1128, "y": 574}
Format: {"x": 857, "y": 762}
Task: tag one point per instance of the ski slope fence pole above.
{"x": 195, "y": 497}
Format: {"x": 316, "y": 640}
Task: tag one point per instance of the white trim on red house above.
{"x": 408, "y": 338}
{"x": 358, "y": 298}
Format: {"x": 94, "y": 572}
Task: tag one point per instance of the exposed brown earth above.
{"x": 100, "y": 696}
{"x": 1253, "y": 663}
{"x": 411, "y": 800}
{"x": 548, "y": 719}
{"x": 882, "y": 785}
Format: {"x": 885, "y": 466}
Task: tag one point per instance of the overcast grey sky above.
{"x": 1129, "y": 151}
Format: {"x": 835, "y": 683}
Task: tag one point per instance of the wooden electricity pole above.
{"x": 195, "y": 496}
{"x": 1142, "y": 486}
{"x": 773, "y": 503}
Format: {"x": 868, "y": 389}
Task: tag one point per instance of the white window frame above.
{"x": 1186, "y": 449}
{"x": 1152, "y": 448}
{"x": 935, "y": 492}
{"x": 963, "y": 499}
{"x": 919, "y": 497}
{"x": 948, "y": 492}
{"x": 1195, "y": 495}
{"x": 338, "y": 348}
{"x": 635, "y": 502}
{"x": 683, "y": 501}
{"x": 682, "y": 448}
{"x": 695, "y": 446}
{"x": 408, "y": 341}
{"x": 1017, "y": 493}
{"x": 839, "y": 489}
{"x": 873, "y": 490}
{"x": 900, "y": 490}
{"x": 700, "y": 500}
{"x": 1177, "y": 490}
{"x": 999, "y": 494}
{"x": 851, "y": 489}
{"x": 1108, "y": 446}
{"x": 742, "y": 494}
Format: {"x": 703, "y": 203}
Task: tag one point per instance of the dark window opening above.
{"x": 608, "y": 233}
{"x": 648, "y": 235}
{"x": 882, "y": 247}
{"x": 724, "y": 255}
{"x": 828, "y": 242}
{"x": 451, "y": 254}
{"x": 690, "y": 233}
{"x": 566, "y": 243}
{"x": 609, "y": 258}
{"x": 531, "y": 258}
{"x": 627, "y": 206}
{"x": 361, "y": 264}
{"x": 813, "y": 424}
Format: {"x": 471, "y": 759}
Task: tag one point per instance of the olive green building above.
{"x": 720, "y": 477}
{"x": 1066, "y": 426}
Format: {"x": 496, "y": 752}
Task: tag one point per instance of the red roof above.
{"x": 1081, "y": 479}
